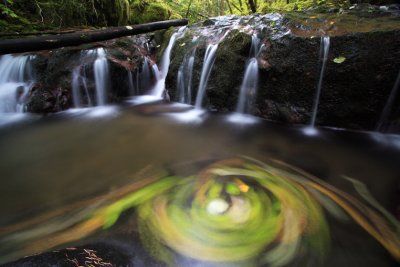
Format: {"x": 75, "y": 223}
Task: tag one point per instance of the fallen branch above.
{"x": 79, "y": 38}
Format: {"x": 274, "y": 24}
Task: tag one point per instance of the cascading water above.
{"x": 212, "y": 35}
{"x": 79, "y": 82}
{"x": 248, "y": 88}
{"x": 15, "y": 81}
{"x": 142, "y": 80}
{"x": 145, "y": 75}
{"x": 159, "y": 88}
{"x": 131, "y": 84}
{"x": 324, "y": 50}
{"x": 76, "y": 94}
{"x": 80, "y": 92}
{"x": 209, "y": 59}
{"x": 101, "y": 76}
{"x": 389, "y": 104}
{"x": 185, "y": 74}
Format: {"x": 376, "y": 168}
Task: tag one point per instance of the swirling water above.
{"x": 161, "y": 193}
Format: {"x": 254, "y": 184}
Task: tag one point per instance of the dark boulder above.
{"x": 53, "y": 73}
{"x": 361, "y": 68}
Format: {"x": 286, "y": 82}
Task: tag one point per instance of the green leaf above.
{"x": 339, "y": 59}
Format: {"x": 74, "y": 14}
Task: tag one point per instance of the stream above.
{"x": 60, "y": 170}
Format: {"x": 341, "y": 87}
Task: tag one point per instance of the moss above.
{"x": 123, "y": 9}
{"x": 147, "y": 12}
{"x": 175, "y": 16}
{"x": 115, "y": 12}
{"x": 284, "y": 6}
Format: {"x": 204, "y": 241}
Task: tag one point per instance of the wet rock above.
{"x": 45, "y": 99}
{"x": 361, "y": 68}
{"x": 53, "y": 69}
{"x": 102, "y": 254}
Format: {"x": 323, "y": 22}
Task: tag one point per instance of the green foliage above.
{"x": 290, "y": 5}
{"x": 148, "y": 11}
{"x": 6, "y": 10}
{"x": 28, "y": 15}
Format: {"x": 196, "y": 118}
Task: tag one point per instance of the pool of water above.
{"x": 143, "y": 188}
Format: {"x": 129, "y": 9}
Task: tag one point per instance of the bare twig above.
{"x": 40, "y": 11}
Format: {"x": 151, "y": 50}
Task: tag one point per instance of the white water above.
{"x": 145, "y": 75}
{"x": 209, "y": 59}
{"x": 389, "y": 104}
{"x": 131, "y": 86}
{"x": 80, "y": 91}
{"x": 15, "y": 81}
{"x": 76, "y": 92}
{"x": 185, "y": 74}
{"x": 324, "y": 50}
{"x": 159, "y": 88}
{"x": 248, "y": 89}
{"x": 79, "y": 82}
{"x": 101, "y": 77}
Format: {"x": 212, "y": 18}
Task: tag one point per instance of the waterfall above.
{"x": 145, "y": 75}
{"x": 101, "y": 77}
{"x": 389, "y": 104}
{"x": 248, "y": 88}
{"x": 209, "y": 59}
{"x": 131, "y": 84}
{"x": 184, "y": 79}
{"x": 79, "y": 85}
{"x": 15, "y": 81}
{"x": 159, "y": 88}
{"x": 324, "y": 50}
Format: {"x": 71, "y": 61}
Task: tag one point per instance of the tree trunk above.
{"x": 78, "y": 38}
{"x": 252, "y": 6}
{"x": 241, "y": 5}
{"x": 221, "y": 8}
{"x": 229, "y": 7}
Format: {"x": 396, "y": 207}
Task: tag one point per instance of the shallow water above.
{"x": 85, "y": 156}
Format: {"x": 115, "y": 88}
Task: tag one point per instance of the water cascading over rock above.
{"x": 184, "y": 78}
{"x": 101, "y": 77}
{"x": 81, "y": 94}
{"x": 296, "y": 84}
{"x": 159, "y": 88}
{"x": 209, "y": 59}
{"x": 15, "y": 81}
{"x": 248, "y": 89}
{"x": 232, "y": 35}
{"x": 324, "y": 50}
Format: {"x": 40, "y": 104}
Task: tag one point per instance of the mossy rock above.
{"x": 116, "y": 12}
{"x": 230, "y": 60}
{"x": 224, "y": 83}
{"x": 149, "y": 12}
{"x": 45, "y": 99}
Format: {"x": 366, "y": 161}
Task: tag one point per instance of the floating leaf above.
{"x": 339, "y": 59}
